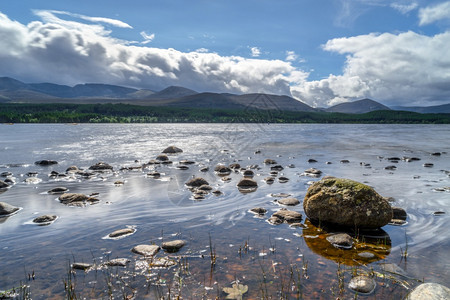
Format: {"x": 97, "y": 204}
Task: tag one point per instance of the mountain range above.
{"x": 15, "y": 91}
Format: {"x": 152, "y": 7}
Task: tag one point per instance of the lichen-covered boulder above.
{"x": 347, "y": 203}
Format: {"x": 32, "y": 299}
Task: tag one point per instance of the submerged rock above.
{"x": 146, "y": 250}
{"x": 173, "y": 246}
{"x": 162, "y": 157}
{"x": 347, "y": 203}
{"x": 172, "y": 150}
{"x": 362, "y": 284}
{"x": 341, "y": 240}
{"x": 429, "y": 291}
{"x": 7, "y": 209}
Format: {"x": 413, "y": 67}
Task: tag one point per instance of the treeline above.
{"x": 125, "y": 113}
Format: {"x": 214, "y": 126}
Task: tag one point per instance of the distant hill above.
{"x": 445, "y": 108}
{"x": 173, "y": 92}
{"x": 357, "y": 107}
{"x": 14, "y": 91}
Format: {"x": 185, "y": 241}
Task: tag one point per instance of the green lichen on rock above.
{"x": 346, "y": 202}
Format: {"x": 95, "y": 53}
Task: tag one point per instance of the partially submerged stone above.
{"x": 347, "y": 203}
{"x": 291, "y": 201}
{"x": 121, "y": 232}
{"x": 197, "y": 182}
{"x": 429, "y": 291}
{"x": 76, "y": 198}
{"x": 117, "y": 262}
{"x": 7, "y": 209}
{"x": 101, "y": 166}
{"x": 58, "y": 190}
{"x": 173, "y": 246}
{"x": 46, "y": 162}
{"x": 289, "y": 216}
{"x": 45, "y": 219}
{"x": 146, "y": 250}
{"x": 258, "y": 210}
{"x": 172, "y": 150}
{"x": 247, "y": 183}
{"x": 81, "y": 266}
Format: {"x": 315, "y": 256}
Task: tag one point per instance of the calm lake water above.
{"x": 273, "y": 261}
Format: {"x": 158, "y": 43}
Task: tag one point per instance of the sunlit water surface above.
{"x": 163, "y": 208}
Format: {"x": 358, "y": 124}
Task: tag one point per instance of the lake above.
{"x": 225, "y": 243}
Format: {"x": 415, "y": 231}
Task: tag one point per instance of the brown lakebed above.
{"x": 224, "y": 242}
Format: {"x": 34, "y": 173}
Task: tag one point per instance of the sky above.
{"x": 321, "y": 52}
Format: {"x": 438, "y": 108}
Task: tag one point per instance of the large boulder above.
{"x": 346, "y": 203}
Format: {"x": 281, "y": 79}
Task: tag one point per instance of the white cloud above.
{"x": 49, "y": 16}
{"x": 434, "y": 13}
{"x": 404, "y": 8}
{"x": 402, "y": 69}
{"x": 69, "y": 52}
{"x": 147, "y": 37}
{"x": 291, "y": 56}
{"x": 202, "y": 50}
{"x": 255, "y": 51}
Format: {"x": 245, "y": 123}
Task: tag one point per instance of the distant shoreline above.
{"x": 126, "y": 113}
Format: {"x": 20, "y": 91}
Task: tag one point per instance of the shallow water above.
{"x": 163, "y": 208}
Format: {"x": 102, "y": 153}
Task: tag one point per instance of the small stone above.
{"x": 283, "y": 179}
{"x": 248, "y": 173}
{"x": 154, "y": 174}
{"x": 269, "y": 161}
{"x": 187, "y": 162}
{"x": 45, "y": 162}
{"x": 81, "y": 266}
{"x": 7, "y": 209}
{"x": 196, "y": 182}
{"x": 101, "y": 166}
{"x": 312, "y": 160}
{"x": 269, "y": 180}
{"x": 173, "y": 246}
{"x": 289, "y": 201}
{"x": 45, "y": 219}
{"x": 182, "y": 167}
{"x": 162, "y": 157}
{"x": 217, "y": 192}
{"x": 222, "y": 170}
{"x": 280, "y": 195}
{"x": 428, "y": 165}
{"x": 119, "y": 182}
{"x": 204, "y": 169}
{"x": 258, "y": 210}
{"x": 436, "y": 154}
{"x": 344, "y": 161}
{"x": 117, "y": 262}
{"x": 162, "y": 262}
{"x": 5, "y": 174}
{"x": 74, "y": 198}
{"x": 146, "y": 250}
{"x": 393, "y": 158}
{"x": 341, "y": 240}
{"x": 429, "y": 291}
{"x": 397, "y": 222}
{"x": 277, "y": 168}
{"x": 172, "y": 150}
{"x": 122, "y": 232}
{"x": 439, "y": 213}
{"x": 288, "y": 215}
{"x": 3, "y": 184}
{"x": 274, "y": 220}
{"x": 205, "y": 187}
{"x": 247, "y": 183}
{"x": 362, "y": 284}
{"x": 72, "y": 169}
{"x": 399, "y": 213}
{"x": 390, "y": 168}
{"x": 235, "y": 166}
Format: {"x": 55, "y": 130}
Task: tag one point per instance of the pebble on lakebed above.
{"x": 362, "y": 284}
